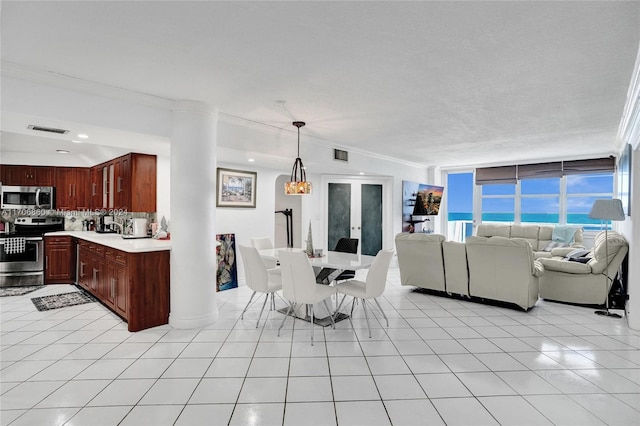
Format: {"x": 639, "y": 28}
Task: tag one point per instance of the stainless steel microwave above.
{"x": 27, "y": 197}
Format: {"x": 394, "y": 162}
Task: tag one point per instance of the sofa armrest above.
{"x": 561, "y": 265}
{"x": 563, "y": 251}
{"x": 538, "y": 268}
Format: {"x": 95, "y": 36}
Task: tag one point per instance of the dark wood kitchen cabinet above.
{"x": 95, "y": 187}
{"x": 133, "y": 285}
{"x": 19, "y": 175}
{"x": 126, "y": 183}
{"x": 72, "y": 184}
{"x": 60, "y": 260}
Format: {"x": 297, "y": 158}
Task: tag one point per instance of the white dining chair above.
{"x": 259, "y": 278}
{"x": 372, "y": 288}
{"x": 299, "y": 286}
{"x": 262, "y": 243}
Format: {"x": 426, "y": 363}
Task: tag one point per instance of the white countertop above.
{"x": 137, "y": 245}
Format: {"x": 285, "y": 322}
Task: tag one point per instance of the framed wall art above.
{"x": 235, "y": 188}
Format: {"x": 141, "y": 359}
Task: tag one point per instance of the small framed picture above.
{"x": 236, "y": 188}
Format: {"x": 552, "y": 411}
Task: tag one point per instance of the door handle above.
{"x": 81, "y": 269}
{"x": 113, "y": 288}
{"x": 93, "y": 189}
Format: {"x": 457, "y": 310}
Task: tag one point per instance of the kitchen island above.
{"x": 129, "y": 276}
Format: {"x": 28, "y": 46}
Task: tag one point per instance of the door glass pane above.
{"x": 540, "y": 186}
{"x": 459, "y": 205}
{"x": 339, "y": 215}
{"x": 371, "y": 214}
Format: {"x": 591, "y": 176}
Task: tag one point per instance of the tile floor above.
{"x": 440, "y": 361}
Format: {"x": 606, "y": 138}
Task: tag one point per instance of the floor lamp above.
{"x": 604, "y": 210}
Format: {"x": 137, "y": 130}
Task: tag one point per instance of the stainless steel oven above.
{"x": 22, "y": 251}
{"x": 24, "y": 265}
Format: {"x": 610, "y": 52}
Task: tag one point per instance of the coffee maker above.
{"x": 104, "y": 225}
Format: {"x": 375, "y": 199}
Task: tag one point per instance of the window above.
{"x": 540, "y": 200}
{"x": 549, "y": 199}
{"x": 582, "y": 191}
{"x": 498, "y": 202}
{"x": 459, "y": 197}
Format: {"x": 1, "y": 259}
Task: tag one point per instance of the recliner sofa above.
{"x": 539, "y": 236}
{"x": 584, "y": 283}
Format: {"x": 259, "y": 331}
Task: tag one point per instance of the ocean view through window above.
{"x": 553, "y": 200}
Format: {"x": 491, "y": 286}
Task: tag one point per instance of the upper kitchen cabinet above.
{"x": 72, "y": 184}
{"x": 18, "y": 175}
{"x": 128, "y": 183}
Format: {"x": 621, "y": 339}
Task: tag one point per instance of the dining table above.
{"x": 329, "y": 259}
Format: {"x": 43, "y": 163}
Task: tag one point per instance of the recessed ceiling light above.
{"x": 83, "y": 136}
{"x": 62, "y": 151}
{"x": 251, "y": 160}
{"x": 75, "y": 141}
{"x": 361, "y": 173}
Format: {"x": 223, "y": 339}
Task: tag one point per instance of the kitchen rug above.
{"x": 56, "y": 301}
{"x": 18, "y": 290}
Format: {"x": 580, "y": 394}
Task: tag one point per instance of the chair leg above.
{"x": 266, "y": 297}
{"x": 333, "y": 323}
{"x": 339, "y": 306}
{"x": 247, "y": 307}
{"x": 291, "y": 306}
{"x": 382, "y": 312}
{"x": 311, "y": 306}
{"x": 364, "y": 306}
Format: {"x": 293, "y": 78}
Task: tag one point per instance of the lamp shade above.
{"x": 607, "y": 210}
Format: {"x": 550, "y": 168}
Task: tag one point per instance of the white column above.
{"x": 193, "y": 192}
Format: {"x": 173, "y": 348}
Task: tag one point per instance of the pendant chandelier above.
{"x": 298, "y": 184}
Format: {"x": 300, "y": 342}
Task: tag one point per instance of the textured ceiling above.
{"x": 436, "y": 83}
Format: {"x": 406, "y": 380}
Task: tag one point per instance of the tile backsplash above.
{"x": 73, "y": 219}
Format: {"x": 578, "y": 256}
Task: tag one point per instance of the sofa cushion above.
{"x": 528, "y": 233}
{"x": 493, "y": 230}
{"x": 562, "y": 265}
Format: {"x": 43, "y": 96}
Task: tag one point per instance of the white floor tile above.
{"x": 74, "y": 394}
{"x": 258, "y": 390}
{"x": 309, "y": 414}
{"x": 380, "y": 365}
{"x": 422, "y": 364}
{"x": 187, "y": 367}
{"x": 442, "y": 385}
{"x": 309, "y": 367}
{"x": 609, "y": 409}
{"x": 354, "y": 388}
{"x": 562, "y": 410}
{"x": 99, "y": 416}
{"x": 358, "y": 413}
{"x": 527, "y": 383}
{"x": 28, "y": 394}
{"x": 349, "y": 366}
{"x": 463, "y": 363}
{"x": 309, "y": 389}
{"x": 201, "y": 350}
{"x": 219, "y": 390}
{"x": 122, "y": 392}
{"x": 205, "y": 415}
{"x": 399, "y": 387}
{"x": 269, "y": 367}
{"x": 44, "y": 416}
{"x": 463, "y": 411}
{"x": 513, "y": 410}
{"x": 164, "y": 415}
{"x": 257, "y": 414}
{"x": 228, "y": 367}
{"x": 146, "y": 368}
{"x": 485, "y": 384}
{"x": 412, "y": 412}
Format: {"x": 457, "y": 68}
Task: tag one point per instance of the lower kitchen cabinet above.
{"x": 133, "y": 285}
{"x": 59, "y": 260}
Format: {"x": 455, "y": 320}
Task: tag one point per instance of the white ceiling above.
{"x": 435, "y": 83}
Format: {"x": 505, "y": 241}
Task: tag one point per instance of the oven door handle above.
{"x": 38, "y": 198}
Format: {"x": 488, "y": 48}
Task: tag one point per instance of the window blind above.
{"x": 540, "y": 170}
{"x": 595, "y": 165}
{"x": 496, "y": 175}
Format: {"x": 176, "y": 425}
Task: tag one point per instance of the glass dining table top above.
{"x": 329, "y": 259}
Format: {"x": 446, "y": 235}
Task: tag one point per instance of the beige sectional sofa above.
{"x": 584, "y": 283}
{"x": 496, "y": 269}
{"x": 539, "y": 236}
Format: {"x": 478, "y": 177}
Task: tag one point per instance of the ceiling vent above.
{"x": 47, "y": 129}
{"x": 341, "y": 155}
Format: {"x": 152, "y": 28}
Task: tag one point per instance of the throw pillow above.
{"x": 584, "y": 259}
{"x": 577, "y": 253}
